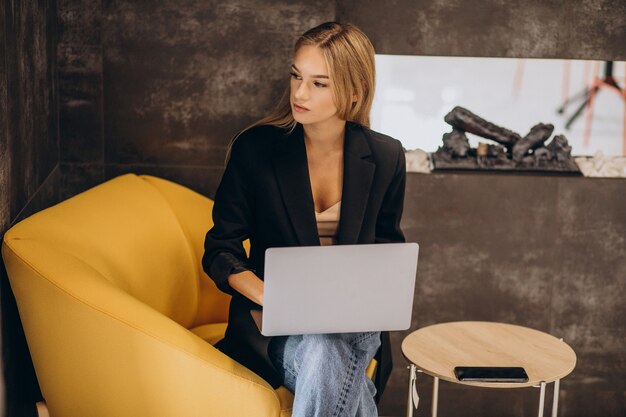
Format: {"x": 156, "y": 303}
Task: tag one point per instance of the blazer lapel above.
{"x": 358, "y": 174}
{"x": 292, "y": 174}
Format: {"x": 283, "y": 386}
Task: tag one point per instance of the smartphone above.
{"x": 491, "y": 373}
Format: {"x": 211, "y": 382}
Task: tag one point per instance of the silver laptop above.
{"x": 338, "y": 289}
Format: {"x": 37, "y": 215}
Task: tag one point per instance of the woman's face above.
{"x": 311, "y": 95}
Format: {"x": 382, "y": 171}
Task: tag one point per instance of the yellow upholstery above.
{"x": 212, "y": 333}
{"x": 117, "y": 310}
{"x": 371, "y": 369}
{"x": 107, "y": 285}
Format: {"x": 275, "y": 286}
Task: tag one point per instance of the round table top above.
{"x": 437, "y": 349}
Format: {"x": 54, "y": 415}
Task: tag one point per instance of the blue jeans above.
{"x": 326, "y": 372}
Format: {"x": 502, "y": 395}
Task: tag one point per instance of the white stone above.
{"x": 418, "y": 160}
{"x": 600, "y": 165}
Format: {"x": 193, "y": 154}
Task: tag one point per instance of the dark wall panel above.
{"x": 183, "y": 78}
{"x": 542, "y": 252}
{"x": 5, "y": 160}
{"x": 80, "y": 78}
{"x": 29, "y": 162}
{"x": 587, "y": 29}
{"x": 5, "y": 167}
{"x": 31, "y": 99}
{"x": 179, "y": 81}
{"x": 81, "y": 119}
{"x": 588, "y": 306}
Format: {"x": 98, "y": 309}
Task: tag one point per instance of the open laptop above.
{"x": 338, "y": 289}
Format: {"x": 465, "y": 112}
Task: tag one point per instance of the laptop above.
{"x": 338, "y": 289}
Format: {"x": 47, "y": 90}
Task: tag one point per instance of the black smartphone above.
{"x": 491, "y": 373}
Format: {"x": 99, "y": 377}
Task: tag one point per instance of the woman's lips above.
{"x": 299, "y": 109}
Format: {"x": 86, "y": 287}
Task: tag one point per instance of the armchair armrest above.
{"x": 98, "y": 351}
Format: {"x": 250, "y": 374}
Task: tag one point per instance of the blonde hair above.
{"x": 349, "y": 55}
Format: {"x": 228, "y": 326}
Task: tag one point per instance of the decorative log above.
{"x": 463, "y": 119}
{"x": 496, "y": 151}
{"x": 543, "y": 154}
{"x": 561, "y": 151}
{"x": 511, "y": 153}
{"x": 538, "y": 134}
{"x": 456, "y": 143}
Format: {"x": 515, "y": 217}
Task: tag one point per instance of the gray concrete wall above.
{"x": 29, "y": 164}
{"x": 79, "y": 59}
{"x": 581, "y": 29}
{"x": 161, "y": 90}
{"x": 538, "y": 251}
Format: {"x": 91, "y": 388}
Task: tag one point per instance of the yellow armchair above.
{"x": 117, "y": 310}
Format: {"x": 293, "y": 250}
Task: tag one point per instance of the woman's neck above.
{"x": 325, "y": 138}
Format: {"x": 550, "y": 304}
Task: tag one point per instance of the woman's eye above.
{"x": 316, "y": 83}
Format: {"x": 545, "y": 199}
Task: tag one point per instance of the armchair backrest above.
{"x": 142, "y": 235}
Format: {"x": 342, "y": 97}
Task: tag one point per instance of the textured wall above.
{"x": 31, "y": 112}
{"x": 29, "y": 157}
{"x": 538, "y": 251}
{"x": 179, "y": 81}
{"x": 586, "y": 29}
{"x": 79, "y": 59}
{"x": 161, "y": 89}
{"x": 5, "y": 161}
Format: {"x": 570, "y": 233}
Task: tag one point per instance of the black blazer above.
{"x": 265, "y": 195}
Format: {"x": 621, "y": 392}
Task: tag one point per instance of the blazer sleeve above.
{"x": 388, "y": 221}
{"x": 233, "y": 210}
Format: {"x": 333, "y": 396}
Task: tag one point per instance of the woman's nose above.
{"x": 302, "y": 92}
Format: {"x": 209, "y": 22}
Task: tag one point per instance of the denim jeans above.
{"x": 326, "y": 372}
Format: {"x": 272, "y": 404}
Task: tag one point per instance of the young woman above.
{"x": 311, "y": 173}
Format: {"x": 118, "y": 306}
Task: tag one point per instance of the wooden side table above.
{"x": 437, "y": 349}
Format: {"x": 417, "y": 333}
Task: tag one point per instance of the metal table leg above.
{"x": 435, "y": 396}
{"x": 412, "y": 378}
{"x": 542, "y": 397}
{"x": 555, "y": 401}
{"x": 412, "y": 388}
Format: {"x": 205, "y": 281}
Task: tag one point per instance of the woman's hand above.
{"x": 248, "y": 284}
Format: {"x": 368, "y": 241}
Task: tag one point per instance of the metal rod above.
{"x": 542, "y": 397}
{"x": 409, "y": 402}
{"x": 435, "y": 396}
{"x": 555, "y": 401}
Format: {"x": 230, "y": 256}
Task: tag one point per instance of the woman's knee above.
{"x": 367, "y": 341}
{"x": 324, "y": 342}
{"x": 362, "y": 341}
